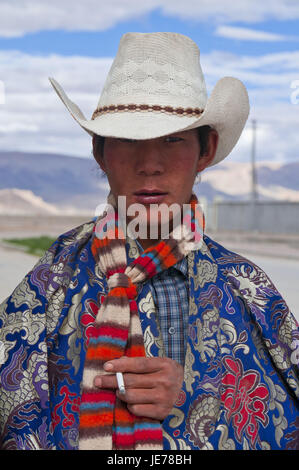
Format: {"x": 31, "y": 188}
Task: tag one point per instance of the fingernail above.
{"x": 108, "y": 366}
{"x": 98, "y": 382}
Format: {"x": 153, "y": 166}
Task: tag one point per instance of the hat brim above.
{"x": 226, "y": 111}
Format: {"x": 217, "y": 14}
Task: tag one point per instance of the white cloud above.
{"x": 2, "y": 92}
{"x": 246, "y": 34}
{"x": 271, "y": 74}
{"x": 34, "y": 119}
{"x": 269, "y": 78}
{"x": 18, "y": 17}
{"x": 220, "y": 11}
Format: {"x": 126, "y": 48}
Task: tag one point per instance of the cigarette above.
{"x": 120, "y": 382}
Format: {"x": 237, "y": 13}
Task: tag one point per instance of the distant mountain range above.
{"x": 50, "y": 183}
{"x": 232, "y": 180}
{"x": 66, "y": 183}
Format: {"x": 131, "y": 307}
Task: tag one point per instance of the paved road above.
{"x": 14, "y": 265}
{"x": 283, "y": 272}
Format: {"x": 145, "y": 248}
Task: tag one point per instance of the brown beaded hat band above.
{"x": 155, "y": 87}
{"x": 146, "y": 107}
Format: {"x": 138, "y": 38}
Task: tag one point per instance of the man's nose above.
{"x": 149, "y": 160}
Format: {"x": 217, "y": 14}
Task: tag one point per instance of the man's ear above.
{"x": 212, "y": 144}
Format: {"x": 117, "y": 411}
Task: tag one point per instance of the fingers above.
{"x": 152, "y": 384}
{"x": 138, "y": 392}
{"x": 137, "y": 365}
{"x": 148, "y": 411}
{"x": 144, "y": 365}
{"x": 138, "y": 396}
{"x": 142, "y": 403}
{"x": 130, "y": 381}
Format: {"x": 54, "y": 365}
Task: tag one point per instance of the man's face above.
{"x": 155, "y": 171}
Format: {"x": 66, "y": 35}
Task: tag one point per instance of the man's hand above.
{"x": 152, "y": 384}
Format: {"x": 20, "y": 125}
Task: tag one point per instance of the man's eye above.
{"x": 128, "y": 141}
{"x": 173, "y": 139}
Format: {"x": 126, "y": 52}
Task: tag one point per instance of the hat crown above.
{"x": 155, "y": 69}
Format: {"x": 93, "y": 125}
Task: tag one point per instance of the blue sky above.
{"x": 75, "y": 42}
{"x": 105, "y": 43}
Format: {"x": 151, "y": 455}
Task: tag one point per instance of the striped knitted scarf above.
{"x": 105, "y": 421}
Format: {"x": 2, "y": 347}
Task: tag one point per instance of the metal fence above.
{"x": 265, "y": 216}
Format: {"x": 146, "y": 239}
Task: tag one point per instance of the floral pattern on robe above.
{"x": 240, "y": 388}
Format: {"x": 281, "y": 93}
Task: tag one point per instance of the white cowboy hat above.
{"x": 156, "y": 87}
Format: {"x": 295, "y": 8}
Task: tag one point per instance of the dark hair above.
{"x": 203, "y": 133}
{"x": 98, "y": 147}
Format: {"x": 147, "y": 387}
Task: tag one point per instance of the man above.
{"x": 165, "y": 168}
{"x": 115, "y": 341}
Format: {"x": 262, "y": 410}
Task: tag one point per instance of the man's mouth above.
{"x": 150, "y": 196}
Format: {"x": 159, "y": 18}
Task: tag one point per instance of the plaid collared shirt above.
{"x": 170, "y": 292}
{"x": 171, "y": 297}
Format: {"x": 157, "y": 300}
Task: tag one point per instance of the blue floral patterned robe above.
{"x": 240, "y": 387}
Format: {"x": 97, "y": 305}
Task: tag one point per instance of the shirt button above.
{"x": 171, "y": 330}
